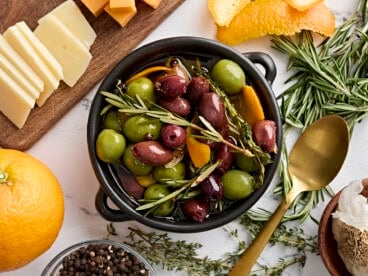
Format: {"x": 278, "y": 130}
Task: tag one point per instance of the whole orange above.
{"x": 31, "y": 208}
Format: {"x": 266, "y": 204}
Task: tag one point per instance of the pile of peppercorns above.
{"x": 102, "y": 259}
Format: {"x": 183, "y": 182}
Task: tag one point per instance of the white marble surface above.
{"x": 64, "y": 150}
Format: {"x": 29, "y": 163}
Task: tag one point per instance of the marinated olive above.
{"x": 195, "y": 209}
{"x": 158, "y": 191}
{"x": 229, "y": 76}
{"x": 264, "y": 134}
{"x": 143, "y": 87}
{"x": 173, "y": 136}
{"x": 225, "y": 157}
{"x": 139, "y": 128}
{"x": 152, "y": 153}
{"x": 195, "y": 90}
{"x": 211, "y": 188}
{"x": 133, "y": 164}
{"x": 177, "y": 172}
{"x": 170, "y": 87}
{"x": 237, "y": 184}
{"x": 110, "y": 145}
{"x": 212, "y": 108}
{"x": 112, "y": 120}
{"x": 176, "y": 105}
{"x": 247, "y": 163}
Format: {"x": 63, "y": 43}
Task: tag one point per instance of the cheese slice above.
{"x": 18, "y": 77}
{"x": 41, "y": 50}
{"x": 15, "y": 103}
{"x": 71, "y": 16}
{"x": 96, "y": 7}
{"x": 65, "y": 47}
{"x": 19, "y": 63}
{"x": 25, "y": 50}
{"x": 121, "y": 16}
{"x": 123, "y": 4}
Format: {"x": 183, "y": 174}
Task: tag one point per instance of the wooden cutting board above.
{"x": 111, "y": 45}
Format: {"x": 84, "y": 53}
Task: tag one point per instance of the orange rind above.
{"x": 223, "y": 11}
{"x": 275, "y": 17}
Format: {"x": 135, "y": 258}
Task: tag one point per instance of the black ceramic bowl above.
{"x": 204, "y": 49}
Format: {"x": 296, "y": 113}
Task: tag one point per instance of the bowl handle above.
{"x": 107, "y": 212}
{"x": 265, "y": 61}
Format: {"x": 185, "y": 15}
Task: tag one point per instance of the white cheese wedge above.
{"x": 15, "y": 103}
{"x": 68, "y": 50}
{"x": 18, "y": 62}
{"x": 41, "y": 50}
{"x": 71, "y": 16}
{"x": 18, "y": 77}
{"x": 25, "y": 50}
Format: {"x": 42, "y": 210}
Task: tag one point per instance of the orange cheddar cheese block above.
{"x": 123, "y": 4}
{"x": 121, "y": 16}
{"x": 96, "y": 7}
{"x": 153, "y": 3}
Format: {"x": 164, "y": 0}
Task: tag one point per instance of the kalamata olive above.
{"x": 152, "y": 153}
{"x": 176, "y": 105}
{"x": 225, "y": 156}
{"x": 170, "y": 87}
{"x": 130, "y": 184}
{"x": 264, "y": 134}
{"x": 211, "y": 188}
{"x": 212, "y": 108}
{"x": 195, "y": 209}
{"x": 173, "y": 136}
{"x": 196, "y": 88}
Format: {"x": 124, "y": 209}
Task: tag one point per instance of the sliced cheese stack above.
{"x": 33, "y": 63}
{"x": 122, "y": 11}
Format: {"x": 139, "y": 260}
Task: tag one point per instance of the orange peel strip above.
{"x": 252, "y": 110}
{"x": 149, "y": 70}
{"x": 275, "y": 17}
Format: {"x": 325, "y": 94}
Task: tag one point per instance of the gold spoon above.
{"x": 314, "y": 161}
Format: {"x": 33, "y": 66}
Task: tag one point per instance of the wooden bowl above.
{"x": 326, "y": 242}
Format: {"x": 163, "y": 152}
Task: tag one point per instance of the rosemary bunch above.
{"x": 331, "y": 78}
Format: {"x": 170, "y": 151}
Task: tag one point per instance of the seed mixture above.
{"x": 102, "y": 259}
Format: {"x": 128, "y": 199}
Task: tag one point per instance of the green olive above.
{"x": 112, "y": 120}
{"x": 133, "y": 164}
{"x": 177, "y": 172}
{"x": 237, "y": 184}
{"x": 140, "y": 128}
{"x": 157, "y": 191}
{"x": 143, "y": 87}
{"x": 247, "y": 163}
{"x": 229, "y": 76}
{"x": 110, "y": 145}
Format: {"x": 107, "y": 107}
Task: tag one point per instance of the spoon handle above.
{"x": 250, "y": 256}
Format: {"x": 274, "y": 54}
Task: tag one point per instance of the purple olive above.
{"x": 211, "y": 188}
{"x": 226, "y": 158}
{"x": 195, "y": 209}
{"x": 129, "y": 183}
{"x": 212, "y": 108}
{"x": 170, "y": 87}
{"x": 195, "y": 90}
{"x": 173, "y": 136}
{"x": 177, "y": 105}
{"x": 264, "y": 134}
{"x": 152, "y": 153}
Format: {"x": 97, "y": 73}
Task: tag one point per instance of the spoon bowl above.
{"x": 314, "y": 161}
